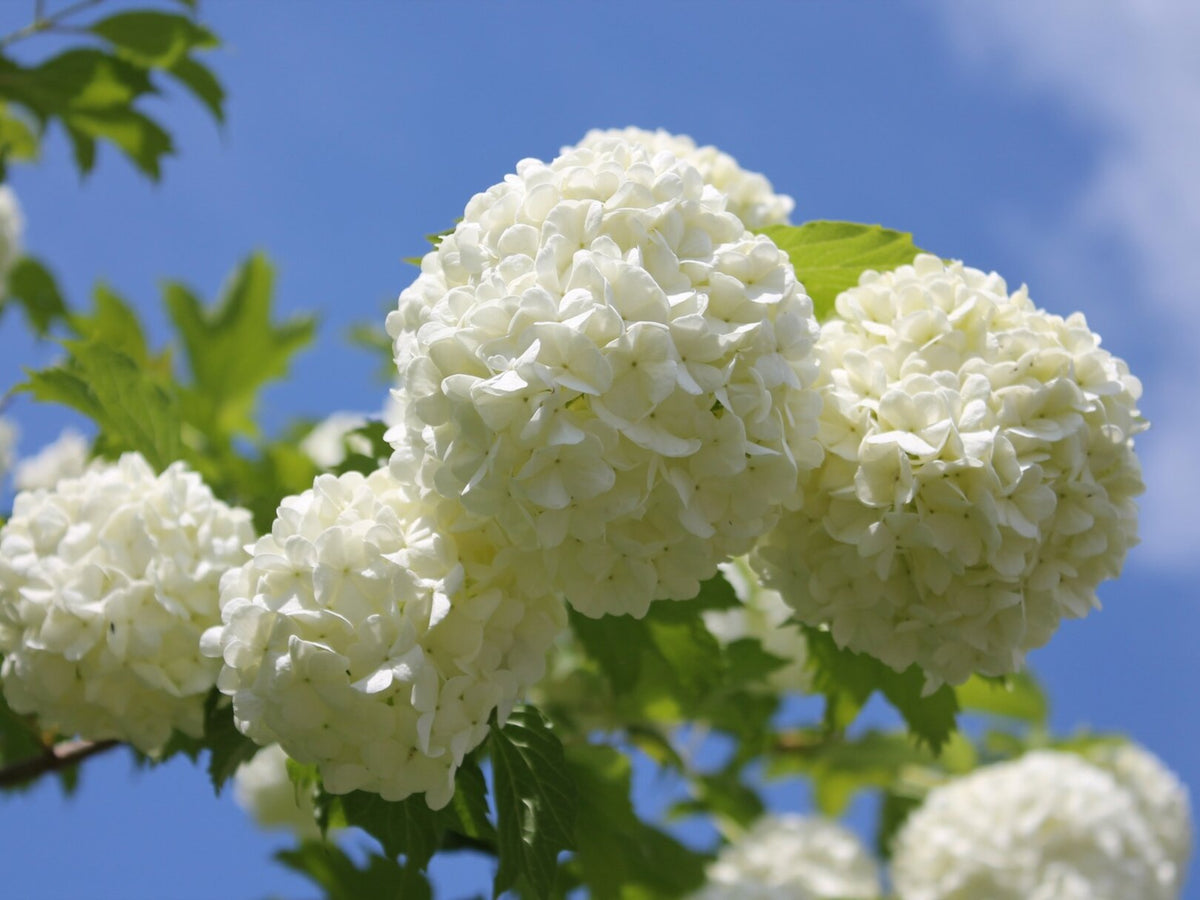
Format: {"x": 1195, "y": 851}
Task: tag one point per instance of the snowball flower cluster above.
{"x": 979, "y": 474}
{"x": 793, "y": 858}
{"x": 106, "y": 583}
{"x": 764, "y": 617}
{"x": 65, "y": 457}
{"x": 365, "y": 641}
{"x": 603, "y": 366}
{"x": 1047, "y": 826}
{"x": 1159, "y": 795}
{"x": 263, "y": 788}
{"x": 748, "y": 195}
{"x": 11, "y": 227}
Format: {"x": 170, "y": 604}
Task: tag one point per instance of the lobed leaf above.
{"x": 830, "y": 256}
{"x": 535, "y": 802}
{"x": 848, "y": 679}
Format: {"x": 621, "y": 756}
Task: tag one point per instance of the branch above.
{"x": 43, "y": 22}
{"x": 60, "y": 756}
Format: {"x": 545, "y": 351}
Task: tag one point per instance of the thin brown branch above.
{"x": 60, "y": 756}
{"x": 42, "y": 22}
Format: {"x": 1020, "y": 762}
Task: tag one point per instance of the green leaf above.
{"x": 468, "y": 809}
{"x": 77, "y": 80}
{"x": 618, "y": 855}
{"x": 153, "y": 39}
{"x": 848, "y": 679}
{"x": 199, "y": 79}
{"x": 133, "y": 409}
{"x": 33, "y": 288}
{"x": 830, "y": 256}
{"x": 1016, "y": 696}
{"x": 234, "y": 348}
{"x": 114, "y": 324}
{"x": 142, "y": 140}
{"x": 535, "y": 802}
{"x": 403, "y": 827}
{"x": 228, "y": 748}
{"x": 18, "y": 141}
{"x": 330, "y": 868}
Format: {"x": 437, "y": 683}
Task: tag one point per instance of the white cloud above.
{"x": 1129, "y": 72}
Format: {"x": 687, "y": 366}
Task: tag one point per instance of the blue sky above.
{"x": 1048, "y": 142}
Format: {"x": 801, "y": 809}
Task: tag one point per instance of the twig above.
{"x": 60, "y": 756}
{"x": 42, "y": 22}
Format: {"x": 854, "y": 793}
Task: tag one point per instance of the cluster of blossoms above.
{"x": 748, "y": 195}
{"x": 979, "y": 475}
{"x": 365, "y": 639}
{"x": 793, "y": 858}
{"x": 1048, "y": 826}
{"x": 65, "y": 457}
{"x": 605, "y": 368}
{"x": 106, "y": 583}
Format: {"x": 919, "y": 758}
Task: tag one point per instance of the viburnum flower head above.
{"x": 979, "y": 475}
{"x": 1047, "y": 826}
{"x": 791, "y": 857}
{"x": 366, "y": 642}
{"x": 65, "y": 457}
{"x": 106, "y": 583}
{"x": 603, "y": 364}
{"x": 1159, "y": 795}
{"x": 748, "y": 195}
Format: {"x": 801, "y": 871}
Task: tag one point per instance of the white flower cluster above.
{"x": 1158, "y": 794}
{"x": 605, "y": 366}
{"x": 979, "y": 475}
{"x": 793, "y": 857}
{"x": 1047, "y": 826}
{"x": 263, "y": 788}
{"x": 65, "y": 457}
{"x": 763, "y": 616}
{"x": 367, "y": 642}
{"x": 12, "y": 225}
{"x": 106, "y": 584}
{"x": 748, "y": 195}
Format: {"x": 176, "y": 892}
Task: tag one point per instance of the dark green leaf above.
{"x": 153, "y": 39}
{"x": 535, "y": 802}
{"x": 619, "y": 855}
{"x": 142, "y": 140}
{"x": 848, "y": 679}
{"x": 830, "y": 256}
{"x": 403, "y": 827}
{"x": 31, "y": 286}
{"x": 228, "y": 748}
{"x": 199, "y": 79}
{"x": 894, "y": 810}
{"x": 336, "y": 874}
{"x": 468, "y": 809}
{"x": 234, "y": 348}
